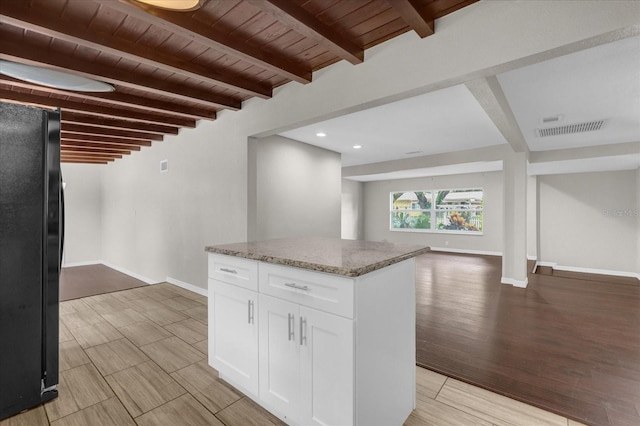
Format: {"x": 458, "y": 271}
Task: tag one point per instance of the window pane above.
{"x": 411, "y": 200}
{"x": 410, "y": 220}
{"x": 459, "y": 220}
{"x": 460, "y": 199}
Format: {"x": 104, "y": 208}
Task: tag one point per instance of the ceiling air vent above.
{"x": 570, "y": 129}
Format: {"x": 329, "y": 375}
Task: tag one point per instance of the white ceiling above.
{"x": 442, "y": 121}
{"x": 597, "y": 83}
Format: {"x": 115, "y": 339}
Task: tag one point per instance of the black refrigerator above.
{"x": 30, "y": 254}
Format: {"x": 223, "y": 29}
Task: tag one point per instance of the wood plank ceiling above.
{"x": 171, "y": 69}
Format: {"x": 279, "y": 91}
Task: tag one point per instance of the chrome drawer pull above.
{"x": 231, "y": 271}
{"x": 251, "y": 319}
{"x": 299, "y": 287}
{"x": 290, "y": 324}
{"x": 303, "y": 331}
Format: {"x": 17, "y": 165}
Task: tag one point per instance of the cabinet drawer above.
{"x": 234, "y": 270}
{"x": 326, "y": 292}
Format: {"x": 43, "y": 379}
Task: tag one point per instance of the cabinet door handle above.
{"x": 290, "y": 322}
{"x": 230, "y": 271}
{"x": 303, "y": 331}
{"x": 250, "y": 310}
{"x": 298, "y": 286}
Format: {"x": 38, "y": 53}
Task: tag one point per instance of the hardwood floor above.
{"x": 90, "y": 280}
{"x": 139, "y": 357}
{"x": 568, "y": 344}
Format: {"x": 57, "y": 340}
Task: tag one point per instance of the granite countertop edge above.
{"x": 344, "y": 271}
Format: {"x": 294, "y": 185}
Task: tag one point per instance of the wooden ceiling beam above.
{"x": 19, "y": 14}
{"x": 88, "y": 150}
{"x": 82, "y": 161}
{"x": 65, "y": 104}
{"x": 113, "y": 123}
{"x": 181, "y": 24}
{"x": 16, "y": 51}
{"x": 98, "y": 146}
{"x": 413, "y": 14}
{"x": 116, "y": 145}
{"x": 118, "y": 99}
{"x": 307, "y": 25}
{"x": 98, "y": 138}
{"x": 92, "y": 156}
{"x": 89, "y": 130}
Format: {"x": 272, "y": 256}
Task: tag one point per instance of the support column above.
{"x": 514, "y": 248}
{"x": 637, "y": 213}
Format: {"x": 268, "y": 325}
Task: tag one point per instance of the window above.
{"x": 445, "y": 210}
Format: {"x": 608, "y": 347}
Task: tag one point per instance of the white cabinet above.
{"x": 233, "y": 320}
{"x": 306, "y": 363}
{"x": 326, "y": 369}
{"x": 316, "y": 348}
{"x": 233, "y": 334}
{"x": 279, "y": 356}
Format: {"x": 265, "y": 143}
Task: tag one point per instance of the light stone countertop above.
{"x": 350, "y": 258}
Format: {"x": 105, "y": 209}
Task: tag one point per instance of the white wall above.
{"x": 637, "y": 213}
{"x": 376, "y": 205}
{"x": 158, "y": 225}
{"x": 577, "y": 228}
{"x": 352, "y": 210}
{"x": 83, "y": 213}
{"x": 294, "y": 190}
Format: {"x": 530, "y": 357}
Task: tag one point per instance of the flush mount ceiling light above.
{"x": 177, "y": 5}
{"x": 321, "y": 134}
{"x": 52, "y": 78}
{"x": 357, "y": 146}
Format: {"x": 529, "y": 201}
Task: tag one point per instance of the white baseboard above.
{"x": 611, "y": 272}
{"x": 465, "y": 251}
{"x": 201, "y": 291}
{"x": 514, "y": 282}
{"x": 131, "y": 274}
{"x": 530, "y": 257}
{"x": 85, "y": 263}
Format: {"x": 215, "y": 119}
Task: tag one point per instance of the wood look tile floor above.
{"x": 124, "y": 361}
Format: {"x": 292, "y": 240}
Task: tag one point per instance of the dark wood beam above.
{"x": 16, "y": 51}
{"x": 307, "y": 25}
{"x": 90, "y": 130}
{"x": 67, "y": 105}
{"x": 95, "y": 156}
{"x": 413, "y": 14}
{"x": 113, "y": 123}
{"x": 119, "y": 99}
{"x": 83, "y": 142}
{"x": 19, "y": 14}
{"x": 96, "y": 138}
{"x": 89, "y": 150}
{"x": 181, "y": 24}
{"x": 82, "y": 161}
{"x": 100, "y": 146}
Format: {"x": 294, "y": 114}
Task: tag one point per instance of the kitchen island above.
{"x": 318, "y": 331}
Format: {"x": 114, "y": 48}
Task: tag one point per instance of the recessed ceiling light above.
{"x": 178, "y": 5}
{"x": 321, "y": 134}
{"x": 52, "y": 78}
{"x": 357, "y": 146}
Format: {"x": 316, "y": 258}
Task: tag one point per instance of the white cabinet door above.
{"x": 326, "y": 368}
{"x": 279, "y": 356}
{"x": 233, "y": 334}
